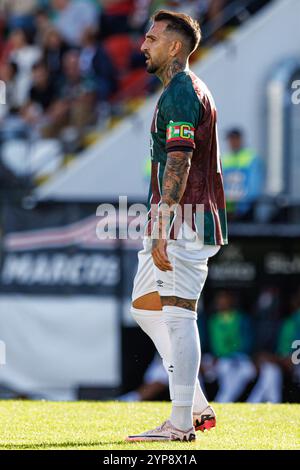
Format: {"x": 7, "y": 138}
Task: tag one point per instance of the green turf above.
{"x": 103, "y": 425}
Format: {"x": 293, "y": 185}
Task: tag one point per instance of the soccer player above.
{"x": 186, "y": 175}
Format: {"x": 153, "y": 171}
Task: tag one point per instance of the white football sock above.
{"x": 153, "y": 324}
{"x": 200, "y": 401}
{"x": 185, "y": 350}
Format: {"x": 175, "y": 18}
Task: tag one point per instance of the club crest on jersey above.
{"x": 179, "y": 131}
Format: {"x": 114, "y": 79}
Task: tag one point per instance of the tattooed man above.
{"x": 187, "y": 221}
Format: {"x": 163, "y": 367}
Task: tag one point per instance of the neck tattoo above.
{"x": 170, "y": 70}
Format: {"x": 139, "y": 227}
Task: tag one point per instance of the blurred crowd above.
{"x": 246, "y": 356}
{"x": 63, "y": 63}
{"x": 68, "y": 66}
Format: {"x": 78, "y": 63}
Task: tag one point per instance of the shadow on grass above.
{"x": 62, "y": 445}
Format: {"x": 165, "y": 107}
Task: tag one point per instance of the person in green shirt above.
{"x": 230, "y": 338}
{"x": 284, "y": 363}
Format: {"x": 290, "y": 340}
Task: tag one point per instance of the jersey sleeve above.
{"x": 182, "y": 112}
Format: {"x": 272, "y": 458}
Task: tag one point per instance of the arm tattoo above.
{"x": 175, "y": 177}
{"x": 173, "y": 186}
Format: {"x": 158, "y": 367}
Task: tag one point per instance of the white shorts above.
{"x": 189, "y": 273}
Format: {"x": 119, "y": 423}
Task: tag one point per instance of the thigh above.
{"x": 151, "y": 301}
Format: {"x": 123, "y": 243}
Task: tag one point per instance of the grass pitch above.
{"x": 104, "y": 425}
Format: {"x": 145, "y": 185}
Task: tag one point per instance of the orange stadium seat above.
{"x": 132, "y": 82}
{"x": 119, "y": 47}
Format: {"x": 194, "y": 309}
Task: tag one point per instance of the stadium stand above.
{"x": 42, "y": 44}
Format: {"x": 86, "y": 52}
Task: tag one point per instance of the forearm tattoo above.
{"x": 175, "y": 177}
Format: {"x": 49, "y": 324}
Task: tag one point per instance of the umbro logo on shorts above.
{"x": 160, "y": 283}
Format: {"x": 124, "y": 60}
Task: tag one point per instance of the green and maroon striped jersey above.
{"x": 185, "y": 118}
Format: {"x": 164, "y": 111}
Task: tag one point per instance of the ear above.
{"x": 175, "y": 48}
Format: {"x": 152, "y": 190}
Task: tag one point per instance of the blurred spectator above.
{"x": 76, "y": 109}
{"x": 94, "y": 60}
{"x": 267, "y": 319}
{"x": 42, "y": 96}
{"x": 269, "y": 384}
{"x": 12, "y": 122}
{"x": 243, "y": 176}
{"x": 53, "y": 51}
{"x": 8, "y": 74}
{"x": 230, "y": 334}
{"x": 43, "y": 91}
{"x": 42, "y": 24}
{"x": 75, "y": 85}
{"x": 274, "y": 367}
{"x": 73, "y": 17}
{"x": 20, "y": 13}
{"x": 115, "y": 17}
{"x": 24, "y": 55}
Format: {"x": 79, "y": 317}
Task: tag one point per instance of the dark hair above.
{"x": 183, "y": 24}
{"x": 14, "y": 67}
{"x": 234, "y": 132}
{"x": 39, "y": 64}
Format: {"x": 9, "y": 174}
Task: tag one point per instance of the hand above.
{"x": 159, "y": 255}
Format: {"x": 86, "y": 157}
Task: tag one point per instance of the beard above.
{"x": 151, "y": 67}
